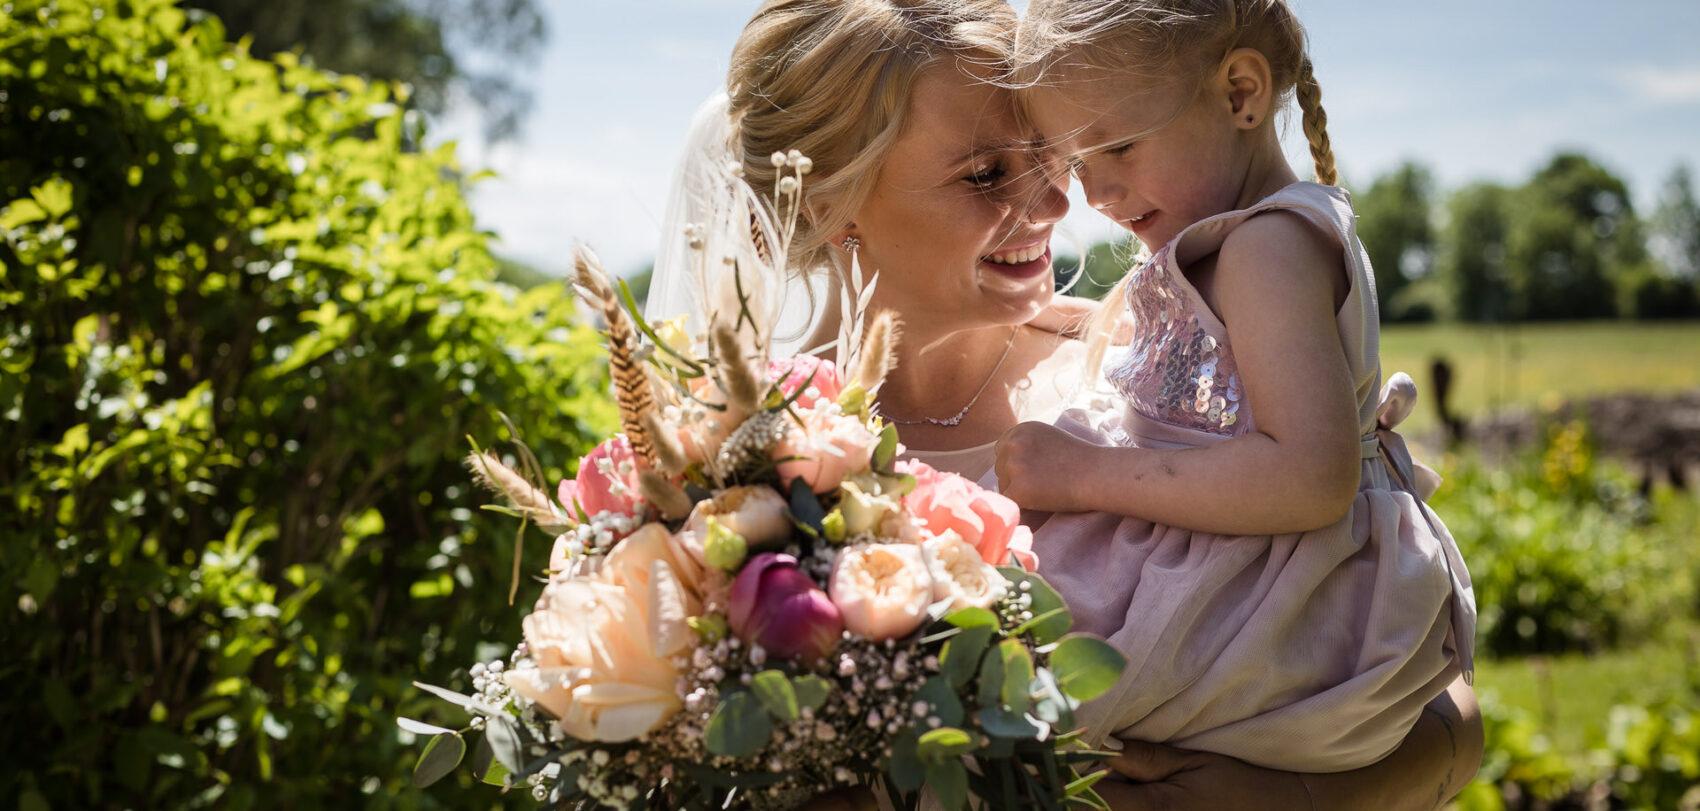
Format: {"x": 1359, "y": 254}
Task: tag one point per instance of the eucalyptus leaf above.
{"x": 948, "y": 781}
{"x": 1044, "y": 604}
{"x": 972, "y": 617}
{"x": 740, "y": 726}
{"x": 905, "y": 767}
{"x": 1086, "y": 666}
{"x": 776, "y": 694}
{"x": 943, "y": 743}
{"x": 505, "y": 743}
{"x": 812, "y": 691}
{"x": 962, "y": 653}
{"x": 440, "y": 758}
{"x": 1017, "y": 675}
{"x": 946, "y": 705}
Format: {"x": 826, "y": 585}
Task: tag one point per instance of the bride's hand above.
{"x": 1176, "y": 780}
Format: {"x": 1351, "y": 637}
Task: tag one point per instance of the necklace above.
{"x": 956, "y": 419}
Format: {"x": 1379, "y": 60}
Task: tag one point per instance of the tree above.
{"x": 1471, "y": 261}
{"x": 243, "y": 338}
{"x": 1675, "y": 226}
{"x": 429, "y": 44}
{"x": 1395, "y": 222}
{"x": 1574, "y": 237}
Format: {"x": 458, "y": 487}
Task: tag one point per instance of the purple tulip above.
{"x": 775, "y": 605}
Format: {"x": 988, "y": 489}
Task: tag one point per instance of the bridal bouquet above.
{"x": 751, "y": 600}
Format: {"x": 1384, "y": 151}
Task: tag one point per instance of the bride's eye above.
{"x": 985, "y": 177}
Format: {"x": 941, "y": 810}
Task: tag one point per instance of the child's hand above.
{"x": 1039, "y": 465}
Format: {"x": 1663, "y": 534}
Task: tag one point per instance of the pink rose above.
{"x": 882, "y": 589}
{"x": 607, "y": 481}
{"x": 795, "y": 372}
{"x": 826, "y": 448}
{"x": 775, "y": 605}
{"x": 945, "y": 502}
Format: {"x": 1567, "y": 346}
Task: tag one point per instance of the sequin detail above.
{"x": 1175, "y": 371}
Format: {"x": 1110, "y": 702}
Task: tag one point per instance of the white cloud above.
{"x": 1678, "y": 84}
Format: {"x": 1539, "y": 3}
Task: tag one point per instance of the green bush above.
{"x": 1563, "y": 554}
{"x": 245, "y": 327}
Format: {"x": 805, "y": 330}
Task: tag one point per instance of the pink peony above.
{"x": 607, "y": 481}
{"x": 775, "y": 605}
{"x": 820, "y": 375}
{"x": 824, "y": 450}
{"x": 945, "y": 502}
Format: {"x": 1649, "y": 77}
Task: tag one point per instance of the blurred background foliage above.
{"x": 247, "y": 322}
{"x": 246, "y": 327}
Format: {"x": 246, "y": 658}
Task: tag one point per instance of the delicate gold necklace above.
{"x": 956, "y": 419}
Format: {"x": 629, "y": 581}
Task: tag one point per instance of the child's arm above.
{"x": 1276, "y": 282}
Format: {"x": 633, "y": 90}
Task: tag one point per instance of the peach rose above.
{"x": 827, "y": 447}
{"x": 597, "y": 672}
{"x": 758, "y": 513}
{"x": 945, "y": 502}
{"x": 882, "y": 590}
{"x": 701, "y": 438}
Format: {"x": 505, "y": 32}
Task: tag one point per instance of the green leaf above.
{"x": 949, "y": 783}
{"x": 440, "y": 757}
{"x": 1085, "y": 666}
{"x": 812, "y": 690}
{"x": 991, "y": 678}
{"x": 943, "y": 743}
{"x": 806, "y": 508}
{"x": 1051, "y": 624}
{"x": 21, "y": 212}
{"x": 503, "y": 734}
{"x": 972, "y": 617}
{"x": 739, "y": 726}
{"x": 1017, "y": 675}
{"x": 962, "y": 653}
{"x": 945, "y": 703}
{"x": 1001, "y": 723}
{"x": 776, "y": 694}
{"x": 905, "y": 767}
{"x": 420, "y": 727}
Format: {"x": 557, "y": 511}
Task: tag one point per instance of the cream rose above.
{"x": 959, "y": 574}
{"x": 596, "y": 672}
{"x": 759, "y": 514}
{"x": 882, "y": 590}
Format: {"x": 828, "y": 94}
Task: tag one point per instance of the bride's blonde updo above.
{"x": 832, "y": 79}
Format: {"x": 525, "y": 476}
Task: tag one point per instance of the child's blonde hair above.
{"x": 1171, "y": 41}
{"x": 832, "y": 79}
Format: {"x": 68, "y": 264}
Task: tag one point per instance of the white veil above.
{"x": 713, "y": 215}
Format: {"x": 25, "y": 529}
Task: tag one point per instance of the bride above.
{"x": 923, "y": 174}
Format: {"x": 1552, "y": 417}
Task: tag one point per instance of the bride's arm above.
{"x": 1438, "y": 758}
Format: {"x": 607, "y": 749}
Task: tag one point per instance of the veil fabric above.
{"x": 711, "y": 215}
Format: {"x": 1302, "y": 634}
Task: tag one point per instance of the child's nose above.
{"x": 1102, "y": 192}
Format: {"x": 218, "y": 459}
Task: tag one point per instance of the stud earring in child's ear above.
{"x": 1250, "y": 118}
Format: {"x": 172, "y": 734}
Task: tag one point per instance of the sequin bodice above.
{"x": 1175, "y": 371}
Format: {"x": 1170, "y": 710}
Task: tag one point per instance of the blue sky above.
{"x": 1473, "y": 89}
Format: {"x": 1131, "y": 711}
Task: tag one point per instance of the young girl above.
{"x": 1240, "y": 522}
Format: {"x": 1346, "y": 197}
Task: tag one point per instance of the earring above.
{"x": 1250, "y": 118}
{"x": 851, "y": 244}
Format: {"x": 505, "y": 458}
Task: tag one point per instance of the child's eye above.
{"x": 986, "y": 178}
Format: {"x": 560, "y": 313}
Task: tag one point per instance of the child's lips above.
{"x": 1142, "y": 221}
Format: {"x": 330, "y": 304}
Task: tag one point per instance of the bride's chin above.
{"x": 1016, "y": 300}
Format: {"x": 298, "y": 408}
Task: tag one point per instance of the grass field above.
{"x": 1531, "y": 365}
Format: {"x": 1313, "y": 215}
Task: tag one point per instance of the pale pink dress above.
{"x": 1309, "y": 652}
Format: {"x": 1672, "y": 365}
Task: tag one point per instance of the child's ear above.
{"x": 1248, "y": 87}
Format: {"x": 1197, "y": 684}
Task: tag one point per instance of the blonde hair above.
{"x": 832, "y": 79}
{"x": 1172, "y": 41}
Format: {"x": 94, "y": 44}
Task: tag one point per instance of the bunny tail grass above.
{"x": 879, "y": 352}
{"x": 664, "y": 495}
{"x": 669, "y": 454}
{"x": 506, "y": 482}
{"x": 742, "y": 388}
{"x": 631, "y": 384}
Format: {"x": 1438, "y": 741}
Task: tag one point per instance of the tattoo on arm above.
{"x": 1451, "y": 762}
